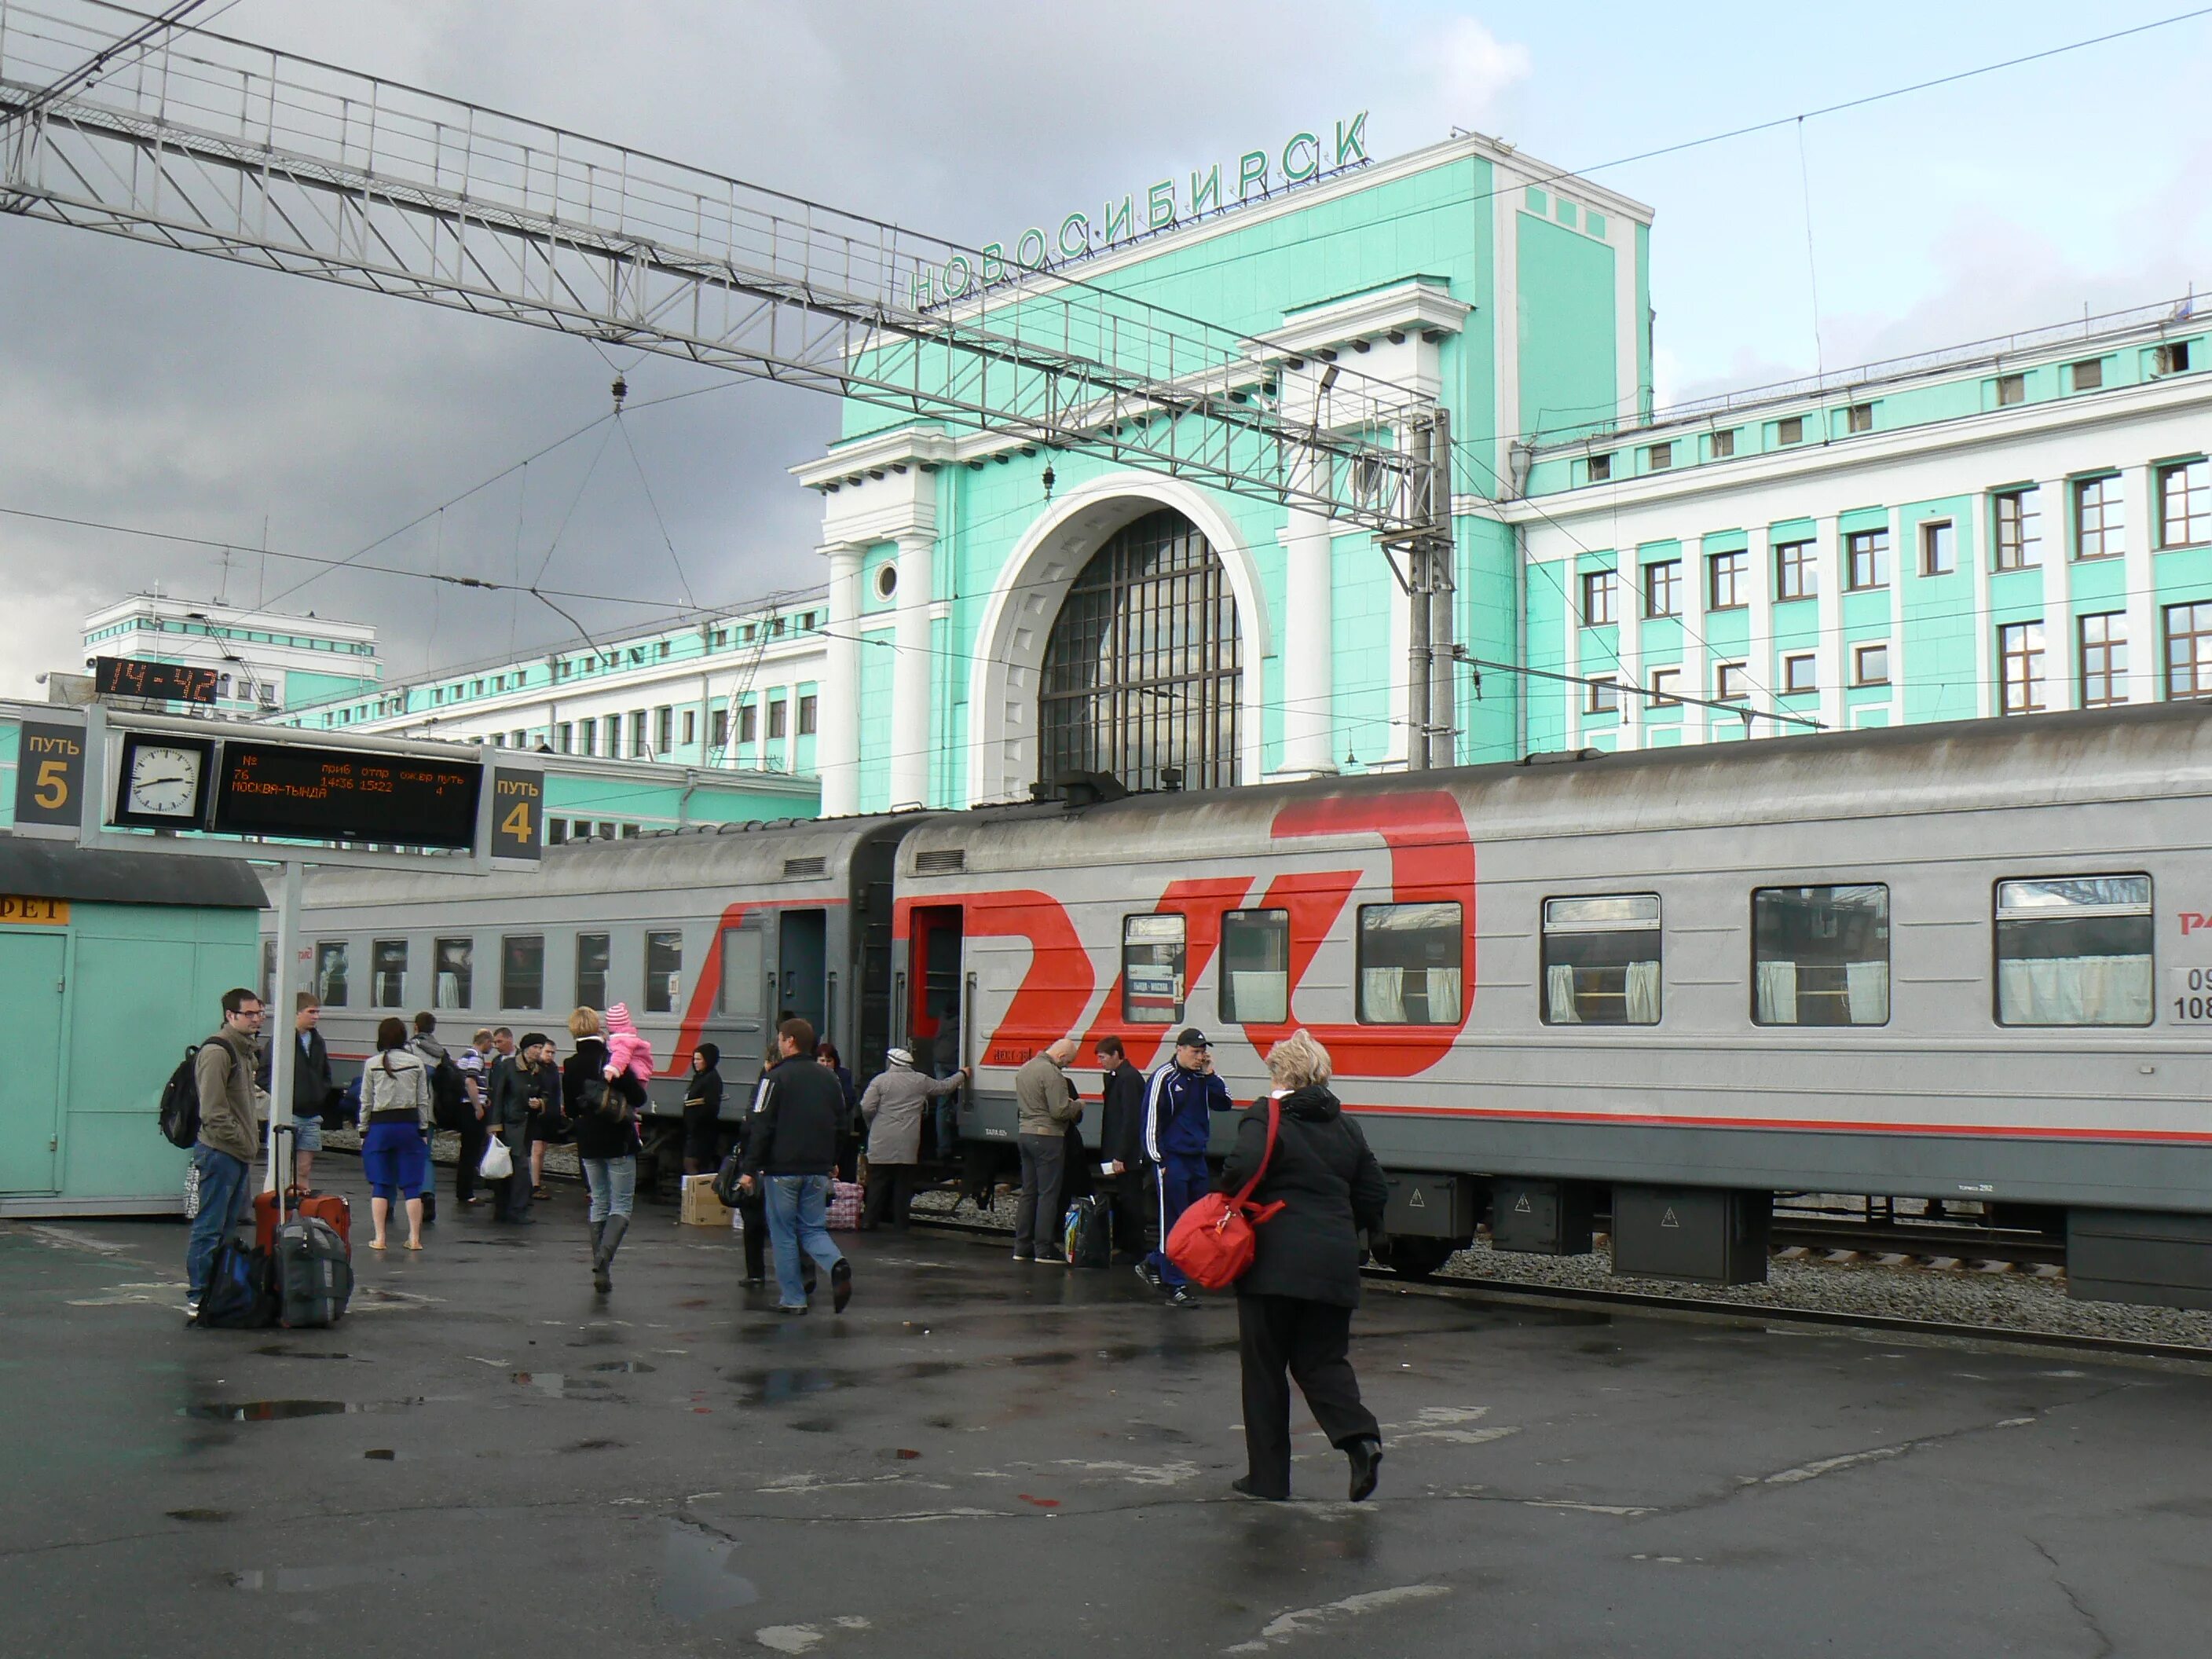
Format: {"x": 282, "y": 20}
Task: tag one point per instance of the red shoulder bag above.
{"x": 1212, "y": 1240}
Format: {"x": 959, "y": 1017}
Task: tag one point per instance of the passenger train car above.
{"x": 1966, "y": 963}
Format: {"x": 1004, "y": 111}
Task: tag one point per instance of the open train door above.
{"x": 933, "y": 1013}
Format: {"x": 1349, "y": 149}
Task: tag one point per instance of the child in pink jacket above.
{"x": 626, "y": 1051}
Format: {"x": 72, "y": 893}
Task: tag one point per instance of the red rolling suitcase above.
{"x": 328, "y": 1208}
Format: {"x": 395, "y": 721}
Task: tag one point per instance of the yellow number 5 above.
{"x": 51, "y": 789}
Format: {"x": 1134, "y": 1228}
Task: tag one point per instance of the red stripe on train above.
{"x": 2184, "y": 1137}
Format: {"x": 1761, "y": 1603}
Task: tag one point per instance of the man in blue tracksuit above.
{"x": 1179, "y": 1102}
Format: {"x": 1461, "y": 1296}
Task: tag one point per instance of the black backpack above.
{"x": 180, "y": 1102}
{"x": 449, "y": 1098}
{"x": 240, "y": 1295}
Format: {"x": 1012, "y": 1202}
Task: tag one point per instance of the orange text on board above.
{"x": 38, "y": 912}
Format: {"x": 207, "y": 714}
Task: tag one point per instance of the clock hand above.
{"x": 147, "y": 783}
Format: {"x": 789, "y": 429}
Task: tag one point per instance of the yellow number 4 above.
{"x": 517, "y": 823}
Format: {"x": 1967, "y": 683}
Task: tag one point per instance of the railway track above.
{"x": 1929, "y": 1240}
{"x": 1469, "y": 1288}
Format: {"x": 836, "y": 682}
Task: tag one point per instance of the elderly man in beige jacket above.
{"x": 893, "y": 1106}
{"x": 1046, "y": 1103}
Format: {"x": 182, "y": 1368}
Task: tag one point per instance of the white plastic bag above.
{"x": 498, "y": 1163}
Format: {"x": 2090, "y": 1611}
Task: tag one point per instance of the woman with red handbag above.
{"x": 1294, "y": 1302}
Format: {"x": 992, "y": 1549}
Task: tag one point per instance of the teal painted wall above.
{"x": 1566, "y": 332}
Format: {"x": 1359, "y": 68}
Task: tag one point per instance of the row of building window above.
{"x": 2100, "y": 665}
{"x": 521, "y": 971}
{"x": 2070, "y": 951}
{"x": 2184, "y": 499}
{"x": 2169, "y": 357}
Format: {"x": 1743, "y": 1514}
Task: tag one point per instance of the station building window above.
{"x": 1801, "y": 673}
{"x": 663, "y": 729}
{"x": 1723, "y": 444}
{"x": 2103, "y": 649}
{"x": 2018, "y": 526}
{"x": 1663, "y": 588}
{"x": 1728, "y": 581}
{"x": 1859, "y": 417}
{"x": 1152, "y": 957}
{"x": 807, "y": 706}
{"x": 2099, "y": 518}
{"x": 1870, "y": 665}
{"x": 2189, "y": 650}
{"x": 690, "y": 726}
{"x": 749, "y": 723}
{"x": 1255, "y": 966}
{"x": 592, "y": 953}
{"x": 1731, "y": 682}
{"x": 1866, "y": 559}
{"x": 638, "y": 746}
{"x": 331, "y": 973}
{"x": 1601, "y": 959}
{"x": 1659, "y": 457}
{"x": 1796, "y": 570}
{"x": 664, "y": 971}
{"x": 2086, "y": 375}
{"x": 2074, "y": 950}
{"x": 1411, "y": 959}
{"x": 522, "y": 972}
{"x": 1666, "y": 687}
{"x": 1602, "y": 697}
{"x": 387, "y": 973}
{"x": 2184, "y": 504}
{"x": 1821, "y": 955}
{"x": 1143, "y": 669}
{"x": 1939, "y": 548}
{"x": 454, "y": 973}
{"x": 778, "y": 711}
{"x": 2019, "y": 668}
{"x": 1791, "y": 431}
{"x": 1600, "y": 469}
{"x": 2011, "y": 389}
{"x": 1597, "y": 598}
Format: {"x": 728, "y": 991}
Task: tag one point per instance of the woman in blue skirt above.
{"x": 395, "y": 1131}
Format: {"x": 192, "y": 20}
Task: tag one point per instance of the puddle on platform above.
{"x": 634, "y": 1367}
{"x": 278, "y": 1351}
{"x": 561, "y": 1385}
{"x": 272, "y": 1410}
{"x": 197, "y": 1515}
{"x": 298, "y": 1581}
{"x": 699, "y": 1575}
{"x": 595, "y": 1445}
{"x": 774, "y": 1387}
{"x": 382, "y": 1454}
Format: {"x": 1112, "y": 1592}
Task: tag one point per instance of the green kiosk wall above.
{"x": 110, "y": 963}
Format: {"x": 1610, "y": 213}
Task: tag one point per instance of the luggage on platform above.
{"x": 311, "y": 1271}
{"x": 845, "y": 1198}
{"x": 1088, "y": 1236}
{"x": 238, "y": 1297}
{"x": 329, "y": 1208}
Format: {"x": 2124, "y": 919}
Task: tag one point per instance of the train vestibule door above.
{"x": 802, "y": 967}
{"x": 934, "y": 1006}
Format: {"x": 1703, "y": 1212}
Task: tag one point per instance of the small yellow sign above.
{"x": 17, "y": 910}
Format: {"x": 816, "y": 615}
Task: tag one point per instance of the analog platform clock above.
{"x": 161, "y": 782}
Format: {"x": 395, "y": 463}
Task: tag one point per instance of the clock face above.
{"x": 165, "y": 782}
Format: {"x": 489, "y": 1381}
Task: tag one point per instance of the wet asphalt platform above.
{"x": 983, "y": 1458}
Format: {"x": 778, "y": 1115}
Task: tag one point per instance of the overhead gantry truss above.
{"x": 211, "y": 144}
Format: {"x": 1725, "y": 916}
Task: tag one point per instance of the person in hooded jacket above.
{"x": 603, "y": 1109}
{"x": 1294, "y": 1304}
{"x": 702, "y": 1111}
{"x": 896, "y": 1101}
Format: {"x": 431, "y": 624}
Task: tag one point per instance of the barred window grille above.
{"x": 1143, "y": 666}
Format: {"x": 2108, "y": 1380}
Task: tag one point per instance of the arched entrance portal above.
{"x": 1143, "y": 671}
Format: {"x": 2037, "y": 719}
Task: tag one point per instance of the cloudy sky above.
{"x": 182, "y": 395}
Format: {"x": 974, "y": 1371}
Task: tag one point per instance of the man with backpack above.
{"x": 452, "y": 1107}
{"x": 223, "y": 1071}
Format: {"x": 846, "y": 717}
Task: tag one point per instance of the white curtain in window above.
{"x": 1382, "y": 995}
{"x": 1643, "y": 994}
{"x": 449, "y": 989}
{"x": 1867, "y": 987}
{"x": 1261, "y": 996}
{"x": 1443, "y": 996}
{"x": 2075, "y": 991}
{"x": 1559, "y": 995}
{"x": 1778, "y": 993}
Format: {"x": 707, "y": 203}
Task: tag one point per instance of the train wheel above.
{"x": 1415, "y": 1258}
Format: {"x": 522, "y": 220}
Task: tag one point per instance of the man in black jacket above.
{"x": 790, "y": 1147}
{"x": 312, "y": 1085}
{"x": 1122, "y": 1161}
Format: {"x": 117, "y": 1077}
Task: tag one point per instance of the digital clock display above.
{"x": 296, "y": 794}
{"x": 170, "y": 681}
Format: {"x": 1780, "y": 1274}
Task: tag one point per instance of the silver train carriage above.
{"x": 709, "y": 935}
{"x": 1968, "y": 963}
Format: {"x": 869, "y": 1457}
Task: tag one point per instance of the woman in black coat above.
{"x": 604, "y": 1111}
{"x": 1294, "y": 1304}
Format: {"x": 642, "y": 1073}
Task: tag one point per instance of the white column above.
{"x": 1829, "y": 575}
{"x": 1570, "y": 652}
{"x": 910, "y": 672}
{"x": 1309, "y": 663}
{"x": 2143, "y": 644}
{"x": 837, "y": 750}
{"x": 1759, "y": 641}
{"x": 2058, "y": 548}
{"x": 1628, "y": 649}
{"x": 1904, "y": 562}
{"x": 1977, "y": 542}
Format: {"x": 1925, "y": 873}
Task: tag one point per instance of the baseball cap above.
{"x": 1191, "y": 1037}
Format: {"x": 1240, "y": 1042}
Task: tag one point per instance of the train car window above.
{"x": 591, "y": 971}
{"x": 331, "y": 973}
{"x": 1255, "y": 966}
{"x": 268, "y": 970}
{"x": 664, "y": 971}
{"x": 455, "y": 972}
{"x": 2074, "y": 950}
{"x": 1410, "y": 965}
{"x": 522, "y": 972}
{"x": 739, "y": 994}
{"x": 387, "y": 973}
{"x": 1151, "y": 970}
{"x": 1820, "y": 956}
{"x": 1601, "y": 959}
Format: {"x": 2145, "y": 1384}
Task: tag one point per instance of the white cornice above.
{"x": 1408, "y": 307}
{"x": 876, "y": 455}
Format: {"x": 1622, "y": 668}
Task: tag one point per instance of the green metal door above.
{"x": 31, "y": 966}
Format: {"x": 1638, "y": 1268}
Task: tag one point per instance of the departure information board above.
{"x": 295, "y": 794}
{"x": 127, "y": 676}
